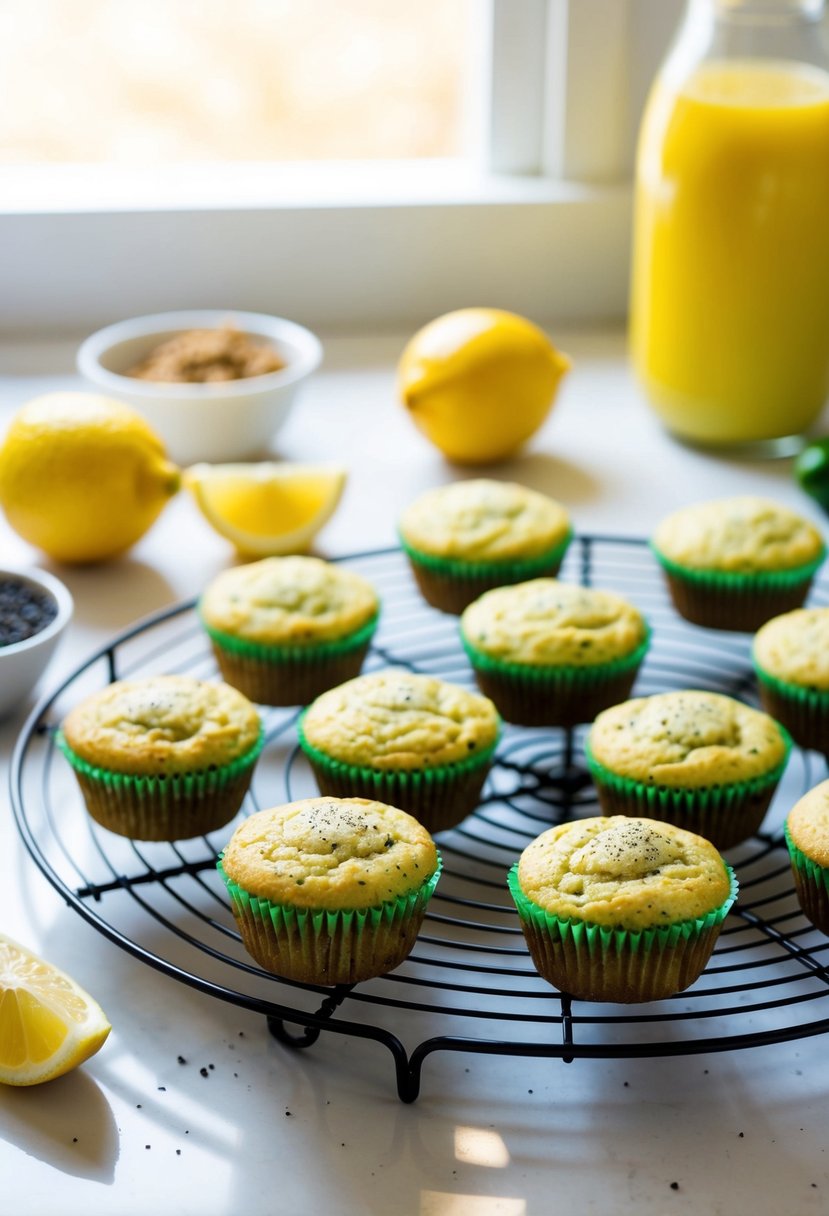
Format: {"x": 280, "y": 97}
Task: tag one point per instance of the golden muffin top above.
{"x": 623, "y": 872}
{"x": 484, "y": 520}
{"x": 808, "y": 824}
{"x": 291, "y": 601}
{"x": 162, "y": 725}
{"x": 686, "y": 738}
{"x": 330, "y": 853}
{"x": 742, "y": 535}
{"x": 546, "y": 622}
{"x": 795, "y": 647}
{"x": 396, "y": 720}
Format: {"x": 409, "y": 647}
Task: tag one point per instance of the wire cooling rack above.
{"x": 469, "y": 985}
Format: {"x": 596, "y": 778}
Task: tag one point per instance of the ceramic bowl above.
{"x": 23, "y": 663}
{"x": 220, "y": 421}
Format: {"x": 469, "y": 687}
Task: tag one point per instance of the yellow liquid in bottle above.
{"x": 730, "y": 287}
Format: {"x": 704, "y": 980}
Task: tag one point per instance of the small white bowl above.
{"x": 23, "y": 663}
{"x": 218, "y": 421}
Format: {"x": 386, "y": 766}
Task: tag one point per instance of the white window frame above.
{"x": 540, "y": 223}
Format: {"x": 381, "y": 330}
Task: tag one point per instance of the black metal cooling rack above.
{"x": 469, "y": 985}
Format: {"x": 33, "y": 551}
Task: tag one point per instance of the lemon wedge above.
{"x": 266, "y": 508}
{"x": 48, "y": 1024}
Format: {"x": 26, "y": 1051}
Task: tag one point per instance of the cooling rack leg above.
{"x": 567, "y": 1026}
{"x": 408, "y": 1075}
{"x": 309, "y": 1034}
{"x": 307, "y": 1038}
{"x": 407, "y": 1071}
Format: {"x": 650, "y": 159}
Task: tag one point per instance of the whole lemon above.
{"x": 479, "y": 382}
{"x": 82, "y": 477}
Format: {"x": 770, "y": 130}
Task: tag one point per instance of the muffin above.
{"x": 700, "y": 760}
{"x": 621, "y": 909}
{"x": 163, "y": 758}
{"x": 286, "y": 628}
{"x": 464, "y": 538}
{"x": 736, "y": 562}
{"x": 329, "y": 890}
{"x": 551, "y": 653}
{"x": 791, "y": 660}
{"x": 807, "y": 839}
{"x": 411, "y": 740}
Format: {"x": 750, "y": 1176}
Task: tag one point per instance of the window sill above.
{"x": 249, "y": 186}
{"x": 361, "y": 248}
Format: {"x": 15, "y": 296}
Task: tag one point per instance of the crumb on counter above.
{"x": 200, "y": 356}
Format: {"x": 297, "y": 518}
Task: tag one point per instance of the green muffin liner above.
{"x": 602, "y": 963}
{"x": 316, "y": 946}
{"x": 803, "y": 711}
{"x": 811, "y": 884}
{"x": 175, "y": 806}
{"x": 289, "y": 675}
{"x": 555, "y": 696}
{"x": 726, "y": 599}
{"x": 451, "y": 583}
{"x": 438, "y": 797}
{"x": 724, "y": 814}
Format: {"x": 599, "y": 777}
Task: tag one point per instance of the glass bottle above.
{"x": 730, "y": 281}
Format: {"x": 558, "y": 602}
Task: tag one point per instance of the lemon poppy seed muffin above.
{"x": 414, "y": 740}
{"x": 733, "y": 563}
{"x": 621, "y": 909}
{"x": 550, "y": 653}
{"x": 463, "y": 538}
{"x": 328, "y": 890}
{"x": 163, "y": 758}
{"x": 807, "y": 839}
{"x": 334, "y": 854}
{"x": 624, "y": 873}
{"x": 285, "y": 628}
{"x": 400, "y": 720}
{"x": 700, "y": 760}
{"x": 791, "y": 660}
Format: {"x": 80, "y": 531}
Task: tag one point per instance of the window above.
{"x": 170, "y": 81}
{"x": 510, "y": 184}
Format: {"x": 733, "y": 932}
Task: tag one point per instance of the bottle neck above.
{"x": 792, "y": 30}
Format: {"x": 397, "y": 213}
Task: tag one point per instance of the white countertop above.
{"x": 273, "y": 1131}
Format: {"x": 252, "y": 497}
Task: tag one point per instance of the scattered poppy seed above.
{"x": 203, "y": 1072}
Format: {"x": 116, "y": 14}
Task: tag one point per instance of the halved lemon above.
{"x": 267, "y": 508}
{"x": 48, "y": 1024}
